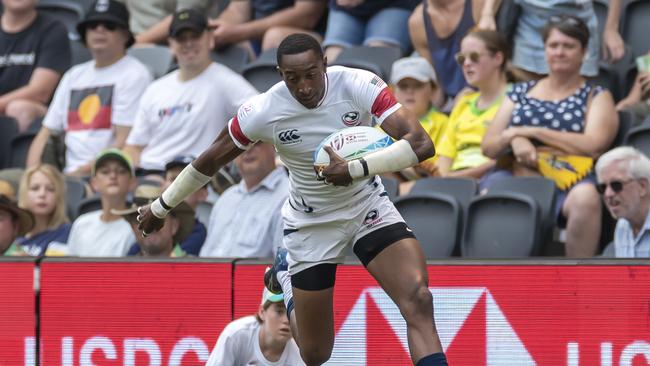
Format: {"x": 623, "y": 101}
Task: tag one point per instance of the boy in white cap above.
{"x": 414, "y": 83}
{"x": 260, "y": 339}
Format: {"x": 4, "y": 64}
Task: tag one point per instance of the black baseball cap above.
{"x": 188, "y": 19}
{"x": 107, "y": 11}
{"x": 179, "y": 161}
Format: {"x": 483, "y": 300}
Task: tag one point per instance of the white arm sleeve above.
{"x": 397, "y": 156}
{"x": 188, "y": 181}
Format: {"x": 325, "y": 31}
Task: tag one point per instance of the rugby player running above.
{"x": 345, "y": 204}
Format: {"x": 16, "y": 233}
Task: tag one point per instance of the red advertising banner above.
{"x": 493, "y": 315}
{"x": 132, "y": 313}
{"x": 17, "y": 313}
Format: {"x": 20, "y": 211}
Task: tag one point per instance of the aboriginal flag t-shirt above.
{"x": 90, "y": 101}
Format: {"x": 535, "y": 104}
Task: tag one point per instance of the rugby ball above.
{"x": 352, "y": 143}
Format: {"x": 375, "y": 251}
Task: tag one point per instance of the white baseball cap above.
{"x": 270, "y": 296}
{"x": 417, "y": 68}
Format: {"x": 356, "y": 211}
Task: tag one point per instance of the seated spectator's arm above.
{"x": 418, "y": 34}
{"x": 633, "y": 97}
{"x": 498, "y": 136}
{"x": 644, "y": 81}
{"x": 600, "y": 130}
{"x": 613, "y": 46}
{"x": 157, "y": 33}
{"x": 39, "y": 89}
{"x": 237, "y": 12}
{"x": 134, "y": 152}
{"x": 488, "y": 11}
{"x": 38, "y": 145}
{"x": 474, "y": 173}
{"x": 304, "y": 14}
{"x": 121, "y": 133}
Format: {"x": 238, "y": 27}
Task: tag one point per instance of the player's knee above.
{"x": 417, "y": 303}
{"x": 315, "y": 356}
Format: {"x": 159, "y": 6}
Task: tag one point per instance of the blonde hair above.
{"x": 59, "y": 215}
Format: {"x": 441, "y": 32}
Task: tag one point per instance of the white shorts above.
{"x": 313, "y": 239}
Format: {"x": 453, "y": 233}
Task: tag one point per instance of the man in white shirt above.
{"x": 96, "y": 101}
{"x": 181, "y": 112}
{"x": 342, "y": 206}
{"x": 102, "y": 233}
{"x": 624, "y": 182}
{"x": 246, "y": 220}
{"x": 262, "y": 339}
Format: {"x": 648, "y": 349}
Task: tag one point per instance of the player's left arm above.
{"x": 413, "y": 145}
{"x": 404, "y": 125}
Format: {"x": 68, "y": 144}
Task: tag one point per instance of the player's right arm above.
{"x": 193, "y": 177}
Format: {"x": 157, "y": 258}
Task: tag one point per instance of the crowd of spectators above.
{"x": 498, "y": 99}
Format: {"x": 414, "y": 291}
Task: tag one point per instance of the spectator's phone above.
{"x": 643, "y": 63}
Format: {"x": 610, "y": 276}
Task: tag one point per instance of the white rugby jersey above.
{"x": 239, "y": 344}
{"x": 352, "y": 97}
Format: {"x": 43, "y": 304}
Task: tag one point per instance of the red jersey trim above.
{"x": 384, "y": 101}
{"x": 237, "y": 134}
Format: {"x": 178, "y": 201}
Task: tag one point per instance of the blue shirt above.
{"x": 248, "y": 223}
{"x": 626, "y": 245}
{"x": 37, "y": 244}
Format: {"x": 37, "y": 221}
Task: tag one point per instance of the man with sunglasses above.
{"x": 623, "y": 181}
{"x": 96, "y": 101}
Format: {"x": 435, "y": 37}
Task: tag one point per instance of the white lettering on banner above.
{"x": 606, "y": 354}
{"x": 132, "y": 345}
{"x": 30, "y": 350}
{"x": 572, "y": 354}
{"x": 96, "y": 343}
{"x": 67, "y": 351}
{"x": 634, "y": 349}
{"x": 188, "y": 344}
{"x": 452, "y": 306}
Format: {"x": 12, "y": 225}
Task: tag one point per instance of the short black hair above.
{"x": 298, "y": 43}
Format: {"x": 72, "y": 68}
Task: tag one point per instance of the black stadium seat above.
{"x": 635, "y": 26}
{"x": 69, "y": 12}
{"x": 232, "y": 56}
{"x": 262, "y": 72}
{"x": 157, "y": 58}
{"x": 501, "y": 225}
{"x": 8, "y": 130}
{"x": 376, "y": 59}
{"x": 542, "y": 190}
{"x": 435, "y": 218}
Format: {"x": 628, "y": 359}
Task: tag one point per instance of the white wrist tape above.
{"x": 188, "y": 181}
{"x": 398, "y": 156}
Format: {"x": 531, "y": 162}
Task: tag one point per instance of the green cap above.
{"x": 115, "y": 155}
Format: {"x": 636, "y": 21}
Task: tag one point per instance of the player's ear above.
{"x": 279, "y": 70}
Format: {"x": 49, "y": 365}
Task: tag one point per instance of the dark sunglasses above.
{"x": 615, "y": 185}
{"x": 110, "y": 26}
{"x": 472, "y": 56}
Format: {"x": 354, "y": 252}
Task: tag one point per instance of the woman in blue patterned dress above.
{"x": 560, "y": 121}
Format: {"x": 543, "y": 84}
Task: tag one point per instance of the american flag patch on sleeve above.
{"x": 376, "y": 80}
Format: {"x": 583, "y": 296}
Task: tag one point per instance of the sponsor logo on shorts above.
{"x": 289, "y": 137}
{"x": 372, "y": 218}
{"x": 351, "y": 118}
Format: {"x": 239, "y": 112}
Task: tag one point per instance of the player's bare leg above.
{"x": 310, "y": 311}
{"x": 312, "y": 322}
{"x": 401, "y": 271}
